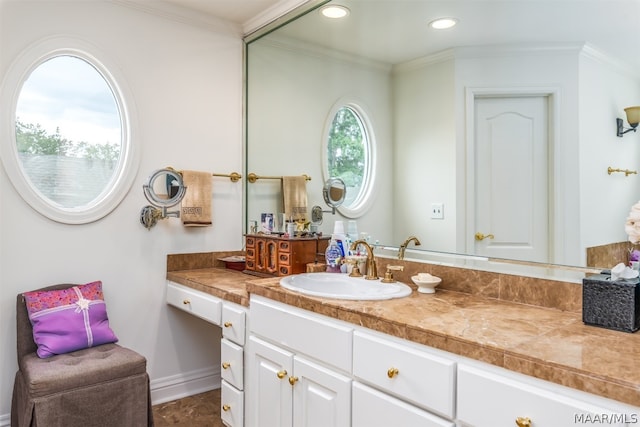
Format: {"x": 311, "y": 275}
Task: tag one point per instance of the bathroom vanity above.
{"x": 447, "y": 359}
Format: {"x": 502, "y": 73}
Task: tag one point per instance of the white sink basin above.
{"x": 341, "y": 286}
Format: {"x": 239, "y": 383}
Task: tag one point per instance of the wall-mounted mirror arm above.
{"x": 163, "y": 189}
{"x": 333, "y": 192}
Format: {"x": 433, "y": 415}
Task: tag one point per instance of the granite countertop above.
{"x": 545, "y": 343}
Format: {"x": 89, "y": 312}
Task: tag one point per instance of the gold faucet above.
{"x": 372, "y": 270}
{"x": 404, "y": 245}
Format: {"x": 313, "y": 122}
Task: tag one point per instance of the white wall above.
{"x": 606, "y": 88}
{"x": 295, "y": 87}
{"x": 186, "y": 82}
{"x": 425, "y": 152}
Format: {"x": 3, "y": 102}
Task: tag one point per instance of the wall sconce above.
{"x": 633, "y": 117}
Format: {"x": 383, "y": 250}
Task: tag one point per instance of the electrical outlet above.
{"x": 437, "y": 211}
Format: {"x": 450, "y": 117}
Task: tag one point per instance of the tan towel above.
{"x": 196, "y": 204}
{"x": 294, "y": 192}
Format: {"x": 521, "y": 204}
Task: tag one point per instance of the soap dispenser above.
{"x": 332, "y": 256}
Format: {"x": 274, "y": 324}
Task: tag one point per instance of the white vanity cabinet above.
{"x": 490, "y": 397}
{"x": 373, "y": 408}
{"x": 407, "y": 371}
{"x": 204, "y": 306}
{"x": 232, "y": 356}
{"x": 297, "y": 372}
{"x": 233, "y": 319}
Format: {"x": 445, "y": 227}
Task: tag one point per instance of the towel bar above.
{"x": 233, "y": 176}
{"x": 252, "y": 177}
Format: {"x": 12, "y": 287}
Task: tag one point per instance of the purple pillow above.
{"x": 69, "y": 319}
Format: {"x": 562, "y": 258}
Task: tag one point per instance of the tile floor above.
{"x": 200, "y": 410}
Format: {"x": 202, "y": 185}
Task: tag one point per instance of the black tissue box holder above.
{"x": 611, "y": 304}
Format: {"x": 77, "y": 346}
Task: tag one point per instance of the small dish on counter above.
{"x": 234, "y": 262}
{"x": 426, "y": 282}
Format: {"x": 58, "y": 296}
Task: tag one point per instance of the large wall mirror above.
{"x": 493, "y": 138}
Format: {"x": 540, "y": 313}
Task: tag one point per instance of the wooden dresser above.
{"x": 273, "y": 255}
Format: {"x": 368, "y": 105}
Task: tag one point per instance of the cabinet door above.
{"x": 270, "y": 395}
{"x": 321, "y": 397}
{"x": 486, "y": 399}
{"x": 372, "y": 408}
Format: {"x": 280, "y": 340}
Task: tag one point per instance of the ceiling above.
{"x": 393, "y": 31}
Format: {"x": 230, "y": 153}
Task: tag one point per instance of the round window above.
{"x": 349, "y": 155}
{"x": 69, "y": 153}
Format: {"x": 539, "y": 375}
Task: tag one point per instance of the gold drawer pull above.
{"x": 523, "y": 422}
{"x": 392, "y": 372}
{"x": 228, "y": 324}
{"x": 281, "y": 374}
{"x": 186, "y": 302}
{"x": 226, "y": 365}
{"x": 293, "y": 380}
{"x": 226, "y": 408}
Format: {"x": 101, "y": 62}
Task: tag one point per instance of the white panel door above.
{"x": 270, "y": 396}
{"x": 321, "y": 397}
{"x": 511, "y": 178}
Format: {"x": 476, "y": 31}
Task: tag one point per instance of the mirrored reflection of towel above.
{"x": 294, "y": 192}
{"x": 196, "y": 204}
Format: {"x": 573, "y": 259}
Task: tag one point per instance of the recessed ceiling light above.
{"x": 334, "y": 11}
{"x": 443, "y": 23}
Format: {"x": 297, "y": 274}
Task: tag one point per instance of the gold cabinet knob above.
{"x": 226, "y": 365}
{"x": 281, "y": 374}
{"x": 523, "y": 422}
{"x": 293, "y": 380}
{"x": 228, "y": 324}
{"x": 392, "y": 372}
{"x": 482, "y": 236}
{"x": 186, "y": 302}
{"x": 226, "y": 408}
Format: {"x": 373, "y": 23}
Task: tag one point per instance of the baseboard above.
{"x": 183, "y": 385}
{"x": 5, "y": 420}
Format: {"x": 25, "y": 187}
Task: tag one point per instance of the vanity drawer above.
{"x": 302, "y": 331}
{"x": 250, "y": 242}
{"x": 232, "y": 363}
{"x": 284, "y": 246}
{"x": 199, "y": 304}
{"x": 405, "y": 371}
{"x": 234, "y": 322}
{"x": 284, "y": 259}
{"x": 372, "y": 408}
{"x": 232, "y": 405}
{"x": 487, "y": 399}
{"x": 284, "y": 270}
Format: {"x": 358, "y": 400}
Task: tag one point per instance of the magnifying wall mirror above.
{"x": 334, "y": 193}
{"x": 164, "y": 188}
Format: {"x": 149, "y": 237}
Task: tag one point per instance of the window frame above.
{"x": 127, "y": 167}
{"x": 364, "y": 201}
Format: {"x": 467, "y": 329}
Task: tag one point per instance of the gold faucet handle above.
{"x": 388, "y": 276}
{"x": 355, "y": 270}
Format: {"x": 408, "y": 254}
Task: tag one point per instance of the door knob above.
{"x": 482, "y": 236}
{"x": 523, "y": 422}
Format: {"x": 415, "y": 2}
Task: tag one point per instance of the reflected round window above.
{"x": 69, "y": 152}
{"x": 349, "y": 155}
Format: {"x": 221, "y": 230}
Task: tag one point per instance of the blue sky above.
{"x": 68, "y": 93}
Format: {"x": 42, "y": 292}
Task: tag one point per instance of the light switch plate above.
{"x": 437, "y": 211}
